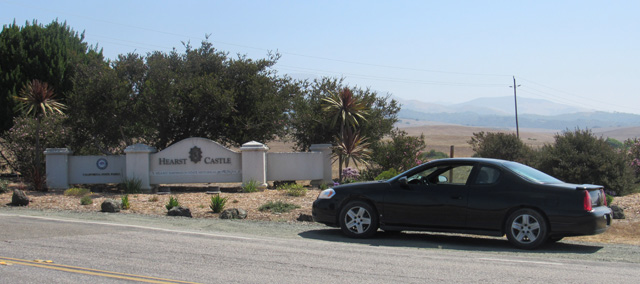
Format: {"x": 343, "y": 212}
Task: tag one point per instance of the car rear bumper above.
{"x": 594, "y": 222}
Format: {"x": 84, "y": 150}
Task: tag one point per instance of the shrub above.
{"x": 278, "y": 207}
{"x": 251, "y": 186}
{"x": 153, "y": 198}
{"x": 632, "y": 147}
{"x": 125, "y": 202}
{"x": 433, "y": 154}
{"x": 609, "y": 199}
{"x": 86, "y": 200}
{"x": 296, "y": 190}
{"x": 218, "y": 203}
{"x": 4, "y": 186}
{"x": 173, "y": 202}
{"x": 501, "y": 146}
{"x": 77, "y": 191}
{"x": 19, "y": 143}
{"x": 402, "y": 152}
{"x": 323, "y": 186}
{"x": 387, "y": 174}
{"x": 131, "y": 185}
{"x": 371, "y": 172}
{"x": 579, "y": 157}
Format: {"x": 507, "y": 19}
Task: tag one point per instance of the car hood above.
{"x": 356, "y": 184}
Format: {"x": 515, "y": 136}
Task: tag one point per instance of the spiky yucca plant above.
{"x": 349, "y": 110}
{"x": 38, "y": 98}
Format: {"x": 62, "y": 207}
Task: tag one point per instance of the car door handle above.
{"x": 456, "y": 197}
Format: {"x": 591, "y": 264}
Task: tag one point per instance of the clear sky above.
{"x": 582, "y": 53}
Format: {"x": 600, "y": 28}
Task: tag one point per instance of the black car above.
{"x": 468, "y": 195}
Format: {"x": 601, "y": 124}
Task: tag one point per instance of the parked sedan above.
{"x": 468, "y": 195}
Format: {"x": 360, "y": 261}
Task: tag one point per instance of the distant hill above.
{"x": 494, "y": 106}
{"x": 499, "y": 113}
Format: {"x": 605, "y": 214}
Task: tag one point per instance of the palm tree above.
{"x": 37, "y": 98}
{"x": 349, "y": 110}
{"x": 353, "y": 147}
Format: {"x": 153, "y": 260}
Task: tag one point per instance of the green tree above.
{"x": 205, "y": 93}
{"x": 310, "y": 125}
{"x": 47, "y": 53}
{"x": 103, "y": 116}
{"x": 162, "y": 98}
{"x": 580, "y": 157}
{"x": 501, "y": 146}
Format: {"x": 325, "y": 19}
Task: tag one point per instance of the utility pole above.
{"x": 515, "y": 100}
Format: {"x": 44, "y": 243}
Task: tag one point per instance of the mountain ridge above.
{"x": 499, "y": 113}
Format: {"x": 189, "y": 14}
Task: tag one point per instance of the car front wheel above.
{"x": 526, "y": 229}
{"x": 358, "y": 220}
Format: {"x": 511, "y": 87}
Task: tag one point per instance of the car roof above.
{"x": 473, "y": 160}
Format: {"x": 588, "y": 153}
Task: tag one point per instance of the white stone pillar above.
{"x": 137, "y": 164}
{"x": 57, "y": 167}
{"x": 254, "y": 163}
{"x": 325, "y": 149}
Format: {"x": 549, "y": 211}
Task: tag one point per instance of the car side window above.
{"x": 456, "y": 175}
{"x": 487, "y": 175}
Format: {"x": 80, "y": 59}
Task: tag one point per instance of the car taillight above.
{"x": 587, "y": 201}
{"x": 604, "y": 195}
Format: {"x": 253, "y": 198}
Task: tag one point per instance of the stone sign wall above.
{"x": 193, "y": 160}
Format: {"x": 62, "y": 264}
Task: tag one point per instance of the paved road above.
{"x": 115, "y": 248}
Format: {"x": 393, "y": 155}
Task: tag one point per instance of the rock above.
{"x": 618, "y": 213}
{"x": 305, "y": 218}
{"x": 19, "y": 198}
{"x": 110, "y": 206}
{"x": 180, "y": 211}
{"x": 233, "y": 213}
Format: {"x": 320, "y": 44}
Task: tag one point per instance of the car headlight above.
{"x": 327, "y": 193}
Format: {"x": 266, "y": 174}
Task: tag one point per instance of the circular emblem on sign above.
{"x": 195, "y": 154}
{"x": 102, "y": 163}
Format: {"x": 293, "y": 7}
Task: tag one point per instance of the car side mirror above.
{"x": 403, "y": 181}
{"x": 442, "y": 179}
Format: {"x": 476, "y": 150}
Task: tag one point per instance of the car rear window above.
{"x": 530, "y": 173}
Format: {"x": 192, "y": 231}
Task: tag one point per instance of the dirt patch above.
{"x": 623, "y": 231}
{"x": 197, "y": 202}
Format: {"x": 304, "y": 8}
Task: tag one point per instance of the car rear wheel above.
{"x": 526, "y": 229}
{"x": 358, "y": 220}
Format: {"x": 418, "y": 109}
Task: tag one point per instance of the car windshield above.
{"x": 530, "y": 173}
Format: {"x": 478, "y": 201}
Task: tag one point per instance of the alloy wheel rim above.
{"x": 357, "y": 220}
{"x": 525, "y": 228}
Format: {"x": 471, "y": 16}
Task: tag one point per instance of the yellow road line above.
{"x": 89, "y": 271}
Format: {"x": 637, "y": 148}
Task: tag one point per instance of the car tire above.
{"x": 526, "y": 229}
{"x": 358, "y": 220}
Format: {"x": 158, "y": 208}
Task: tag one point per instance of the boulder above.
{"x": 618, "y": 213}
{"x": 305, "y": 218}
{"x": 110, "y": 206}
{"x": 180, "y": 211}
{"x": 19, "y": 198}
{"x": 233, "y": 213}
